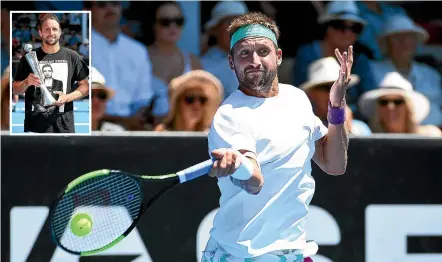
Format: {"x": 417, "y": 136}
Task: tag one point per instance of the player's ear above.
{"x": 279, "y": 56}
{"x": 231, "y": 64}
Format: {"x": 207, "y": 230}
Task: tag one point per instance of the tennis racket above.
{"x": 99, "y": 209}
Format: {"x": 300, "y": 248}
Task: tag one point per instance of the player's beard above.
{"x": 53, "y": 41}
{"x": 257, "y": 81}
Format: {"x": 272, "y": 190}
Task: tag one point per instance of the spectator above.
{"x": 5, "y": 99}
{"x": 322, "y": 75}
{"x": 194, "y": 99}
{"x": 100, "y": 95}
{"x": 343, "y": 26}
{"x": 74, "y": 19}
{"x": 396, "y": 108}
{"x": 399, "y": 41}
{"x": 215, "y": 60}
{"x": 168, "y": 60}
{"x": 125, "y": 64}
{"x": 34, "y": 32}
{"x": 25, "y": 34}
{"x": 376, "y": 14}
{"x": 84, "y": 48}
{"x": 73, "y": 39}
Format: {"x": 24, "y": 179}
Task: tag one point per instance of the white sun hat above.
{"x": 225, "y": 9}
{"x": 325, "y": 71}
{"x": 395, "y": 84}
{"x": 403, "y": 24}
{"x": 341, "y": 10}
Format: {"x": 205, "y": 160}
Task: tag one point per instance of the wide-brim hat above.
{"x": 403, "y": 24}
{"x": 225, "y": 9}
{"x": 98, "y": 82}
{"x": 180, "y": 84}
{"x": 341, "y": 10}
{"x": 395, "y": 84}
{"x": 325, "y": 71}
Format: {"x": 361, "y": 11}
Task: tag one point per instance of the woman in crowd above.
{"x": 100, "y": 94}
{"x": 193, "y": 98}
{"x": 399, "y": 42}
{"x": 396, "y": 108}
{"x": 168, "y": 60}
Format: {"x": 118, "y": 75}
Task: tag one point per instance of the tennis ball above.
{"x": 81, "y": 224}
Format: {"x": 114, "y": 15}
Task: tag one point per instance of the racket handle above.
{"x": 195, "y": 171}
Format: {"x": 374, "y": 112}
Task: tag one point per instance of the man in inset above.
{"x": 263, "y": 139}
{"x": 69, "y": 66}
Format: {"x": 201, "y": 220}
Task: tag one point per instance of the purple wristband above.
{"x": 336, "y": 115}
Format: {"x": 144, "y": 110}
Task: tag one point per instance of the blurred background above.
{"x": 159, "y": 72}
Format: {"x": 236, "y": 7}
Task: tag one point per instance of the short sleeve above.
{"x": 23, "y": 70}
{"x": 81, "y": 68}
{"x": 228, "y": 131}
{"x": 320, "y": 129}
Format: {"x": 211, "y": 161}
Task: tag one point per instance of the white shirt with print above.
{"x": 281, "y": 131}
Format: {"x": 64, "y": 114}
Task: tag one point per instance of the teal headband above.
{"x": 253, "y": 30}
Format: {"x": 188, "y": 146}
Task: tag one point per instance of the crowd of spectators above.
{"x": 142, "y": 80}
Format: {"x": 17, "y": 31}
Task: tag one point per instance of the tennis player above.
{"x": 262, "y": 139}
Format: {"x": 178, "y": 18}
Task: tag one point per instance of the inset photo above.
{"x": 49, "y": 73}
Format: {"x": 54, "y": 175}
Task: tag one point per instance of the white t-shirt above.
{"x": 281, "y": 131}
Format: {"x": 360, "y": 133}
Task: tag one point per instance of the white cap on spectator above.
{"x": 225, "y": 9}
{"x": 341, "y": 10}
{"x": 99, "y": 82}
{"x": 86, "y": 41}
{"x": 325, "y": 71}
{"x": 403, "y": 24}
{"x": 395, "y": 84}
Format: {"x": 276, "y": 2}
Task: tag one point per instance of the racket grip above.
{"x": 195, "y": 171}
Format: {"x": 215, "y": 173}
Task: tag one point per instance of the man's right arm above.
{"x": 254, "y": 184}
{"x": 20, "y": 87}
{"x": 23, "y": 78}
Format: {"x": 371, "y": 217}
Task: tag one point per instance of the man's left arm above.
{"x": 331, "y": 150}
{"x": 81, "y": 91}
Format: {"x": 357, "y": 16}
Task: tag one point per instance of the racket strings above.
{"x": 113, "y": 203}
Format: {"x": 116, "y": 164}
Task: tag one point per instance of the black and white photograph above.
{"x": 50, "y": 70}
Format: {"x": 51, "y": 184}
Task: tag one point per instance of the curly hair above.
{"x": 46, "y": 17}
{"x": 253, "y": 18}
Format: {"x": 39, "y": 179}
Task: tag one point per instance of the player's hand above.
{"x": 339, "y": 88}
{"x": 62, "y": 98}
{"x": 226, "y": 163}
{"x": 32, "y": 80}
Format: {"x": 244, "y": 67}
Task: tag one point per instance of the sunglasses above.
{"x": 341, "y": 26}
{"x": 100, "y": 95}
{"x": 103, "y": 4}
{"x": 166, "y": 22}
{"x": 396, "y": 102}
{"x": 191, "y": 99}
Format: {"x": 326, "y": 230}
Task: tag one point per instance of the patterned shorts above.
{"x": 215, "y": 253}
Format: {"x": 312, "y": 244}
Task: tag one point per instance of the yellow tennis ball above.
{"x": 81, "y": 224}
